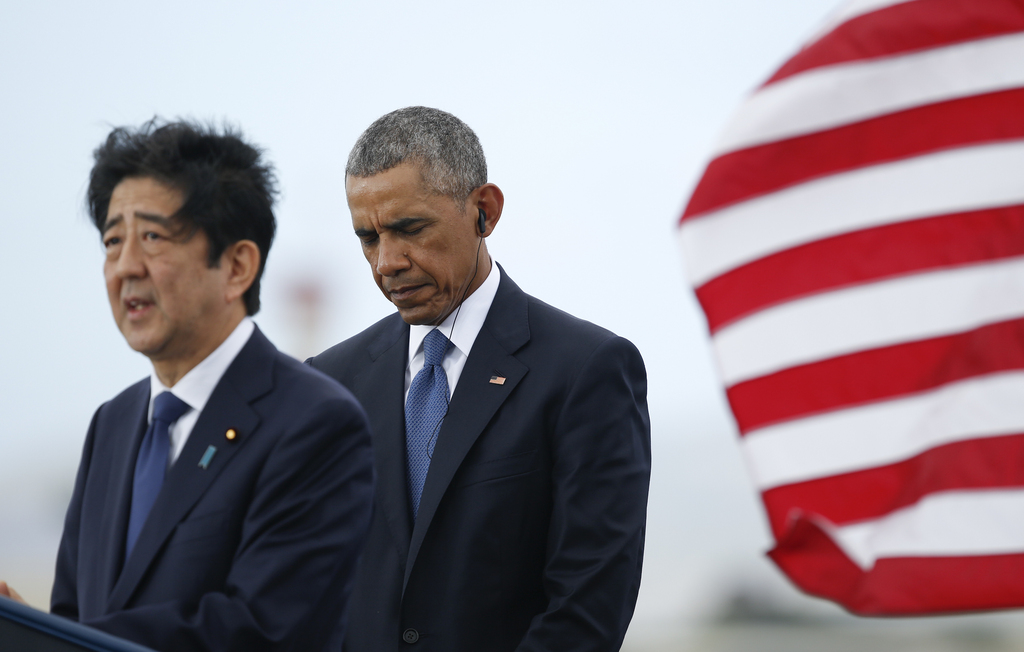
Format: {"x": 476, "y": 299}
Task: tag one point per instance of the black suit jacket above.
{"x": 254, "y": 552}
{"x": 530, "y": 530}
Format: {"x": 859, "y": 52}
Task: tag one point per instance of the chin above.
{"x": 417, "y": 316}
{"x": 410, "y": 318}
{"x": 144, "y": 343}
{"x": 145, "y": 348}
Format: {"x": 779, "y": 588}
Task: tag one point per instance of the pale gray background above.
{"x": 597, "y": 119}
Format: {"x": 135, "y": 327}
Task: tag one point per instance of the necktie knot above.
{"x": 168, "y": 408}
{"x": 435, "y": 345}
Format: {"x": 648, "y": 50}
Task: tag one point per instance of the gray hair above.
{"x": 449, "y": 152}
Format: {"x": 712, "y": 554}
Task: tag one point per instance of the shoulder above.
{"x": 549, "y": 320}
{"x": 301, "y": 408}
{"x": 549, "y": 338}
{"x": 134, "y": 396}
{"x": 116, "y": 421}
{"x": 361, "y": 348}
{"x": 570, "y": 335}
{"x": 302, "y": 387}
{"x": 135, "y": 392}
{"x": 575, "y": 343}
{"x": 512, "y": 305}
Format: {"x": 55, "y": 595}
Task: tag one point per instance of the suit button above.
{"x": 410, "y": 636}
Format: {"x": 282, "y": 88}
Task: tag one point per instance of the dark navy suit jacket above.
{"x": 254, "y": 552}
{"x": 530, "y": 530}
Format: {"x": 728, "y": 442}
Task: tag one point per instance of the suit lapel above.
{"x": 475, "y": 400}
{"x": 248, "y": 378}
{"x": 381, "y": 389}
{"x": 114, "y": 524}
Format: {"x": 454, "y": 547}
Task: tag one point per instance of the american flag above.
{"x": 857, "y": 245}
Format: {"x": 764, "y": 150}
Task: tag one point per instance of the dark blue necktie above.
{"x": 425, "y": 409}
{"x": 151, "y": 464}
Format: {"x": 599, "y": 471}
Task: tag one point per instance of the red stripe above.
{"x": 747, "y": 173}
{"x": 798, "y": 512}
{"x": 972, "y": 464}
{"x": 907, "y": 27}
{"x": 860, "y": 257}
{"x": 899, "y": 585}
{"x": 877, "y": 374}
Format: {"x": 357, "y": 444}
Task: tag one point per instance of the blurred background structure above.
{"x": 597, "y": 119}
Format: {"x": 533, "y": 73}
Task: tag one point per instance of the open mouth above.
{"x": 137, "y": 307}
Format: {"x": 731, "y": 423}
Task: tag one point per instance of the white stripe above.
{"x": 948, "y": 524}
{"x": 822, "y": 98}
{"x": 884, "y": 433}
{"x": 869, "y": 316}
{"x": 967, "y": 178}
{"x": 852, "y": 10}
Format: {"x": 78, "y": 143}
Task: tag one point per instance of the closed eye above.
{"x": 408, "y": 225}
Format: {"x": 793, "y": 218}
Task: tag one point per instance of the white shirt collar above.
{"x": 470, "y": 318}
{"x": 196, "y": 386}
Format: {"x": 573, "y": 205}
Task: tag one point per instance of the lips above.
{"x": 136, "y": 306}
{"x": 404, "y": 292}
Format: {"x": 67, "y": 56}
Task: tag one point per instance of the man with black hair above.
{"x": 512, "y": 440}
{"x": 221, "y": 503}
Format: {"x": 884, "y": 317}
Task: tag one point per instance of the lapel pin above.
{"x": 231, "y": 434}
{"x": 207, "y": 456}
{"x": 497, "y": 380}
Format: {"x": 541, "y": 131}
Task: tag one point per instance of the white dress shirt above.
{"x": 468, "y": 321}
{"x": 198, "y": 384}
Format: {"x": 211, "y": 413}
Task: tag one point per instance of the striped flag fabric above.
{"x": 857, "y": 246}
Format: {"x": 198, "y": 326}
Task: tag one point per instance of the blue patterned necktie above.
{"x": 425, "y": 409}
{"x": 151, "y": 464}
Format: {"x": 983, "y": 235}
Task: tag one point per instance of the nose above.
{"x": 129, "y": 260}
{"x": 391, "y": 259}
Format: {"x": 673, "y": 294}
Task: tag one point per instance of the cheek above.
{"x": 111, "y": 281}
{"x": 171, "y": 288}
{"x": 447, "y": 275}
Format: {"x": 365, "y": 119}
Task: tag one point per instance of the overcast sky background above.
{"x": 596, "y": 119}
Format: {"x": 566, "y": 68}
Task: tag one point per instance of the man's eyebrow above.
{"x": 403, "y": 223}
{"x": 166, "y": 222}
{"x": 111, "y": 223}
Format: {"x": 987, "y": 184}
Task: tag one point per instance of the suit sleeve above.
{"x": 64, "y": 597}
{"x": 600, "y": 479}
{"x": 293, "y": 569}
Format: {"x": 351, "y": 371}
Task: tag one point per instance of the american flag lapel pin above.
{"x": 497, "y": 380}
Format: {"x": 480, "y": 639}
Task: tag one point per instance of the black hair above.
{"x": 228, "y": 190}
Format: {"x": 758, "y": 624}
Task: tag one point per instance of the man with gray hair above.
{"x": 511, "y": 440}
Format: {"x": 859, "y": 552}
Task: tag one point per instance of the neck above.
{"x": 172, "y": 369}
{"x": 482, "y": 273}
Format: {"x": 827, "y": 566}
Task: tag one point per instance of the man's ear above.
{"x": 490, "y": 199}
{"x": 241, "y": 260}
